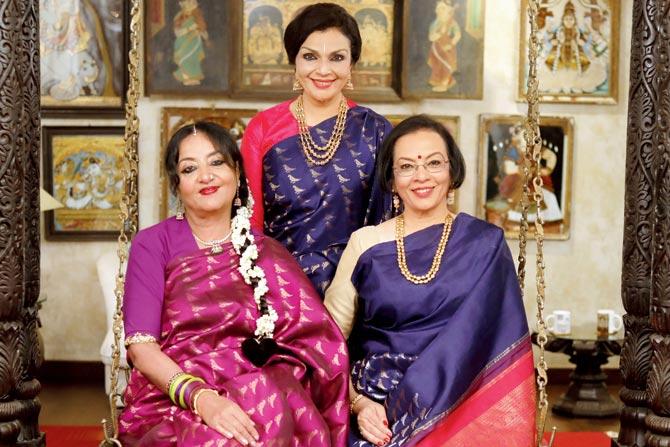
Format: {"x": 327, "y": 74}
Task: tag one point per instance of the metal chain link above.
{"x": 128, "y": 217}
{"x": 532, "y": 161}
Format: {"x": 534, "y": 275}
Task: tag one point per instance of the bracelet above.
{"x": 176, "y": 384}
{"x": 197, "y": 395}
{"x": 172, "y": 379}
{"x": 192, "y": 380}
{"x": 354, "y": 401}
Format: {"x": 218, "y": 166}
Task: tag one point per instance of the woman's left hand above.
{"x": 372, "y": 422}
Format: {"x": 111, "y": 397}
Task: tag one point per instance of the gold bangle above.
{"x": 197, "y": 395}
{"x": 354, "y": 401}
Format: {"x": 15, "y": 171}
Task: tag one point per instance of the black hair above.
{"x": 320, "y": 17}
{"x": 410, "y": 125}
{"x": 223, "y": 143}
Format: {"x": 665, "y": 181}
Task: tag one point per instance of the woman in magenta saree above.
{"x": 441, "y": 359}
{"x": 193, "y": 302}
{"x": 312, "y": 204}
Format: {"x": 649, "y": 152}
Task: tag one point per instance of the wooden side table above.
{"x": 587, "y": 394}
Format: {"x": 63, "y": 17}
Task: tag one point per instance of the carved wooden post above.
{"x": 638, "y": 224}
{"x": 658, "y": 384}
{"x": 20, "y": 354}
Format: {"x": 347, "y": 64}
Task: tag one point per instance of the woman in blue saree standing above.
{"x": 430, "y": 302}
{"x": 312, "y": 159}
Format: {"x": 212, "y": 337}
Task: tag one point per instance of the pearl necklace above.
{"x": 320, "y": 155}
{"x": 437, "y": 259}
{"x": 215, "y": 244}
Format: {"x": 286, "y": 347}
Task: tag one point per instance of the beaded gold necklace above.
{"x": 437, "y": 259}
{"x": 320, "y": 155}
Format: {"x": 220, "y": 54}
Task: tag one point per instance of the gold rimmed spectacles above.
{"x": 408, "y": 169}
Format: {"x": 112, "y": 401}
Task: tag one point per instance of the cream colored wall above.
{"x": 583, "y": 273}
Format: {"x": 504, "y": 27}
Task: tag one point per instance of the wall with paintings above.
{"x": 585, "y": 158}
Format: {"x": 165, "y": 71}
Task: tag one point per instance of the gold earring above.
{"x": 237, "y": 202}
{"x": 451, "y": 197}
{"x": 297, "y": 86}
{"x": 180, "y": 210}
{"x": 396, "y": 203}
{"x": 349, "y": 85}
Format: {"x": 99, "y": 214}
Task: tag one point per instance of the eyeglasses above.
{"x": 408, "y": 169}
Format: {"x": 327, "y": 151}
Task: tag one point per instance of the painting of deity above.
{"x": 264, "y": 71}
{"x": 83, "y": 171}
{"x": 174, "y": 118}
{"x": 83, "y": 55}
{"x": 443, "y": 49}
{"x": 578, "y": 51}
{"x": 186, "y": 47}
{"x": 502, "y": 147}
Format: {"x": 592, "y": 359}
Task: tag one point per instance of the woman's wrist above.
{"x": 354, "y": 402}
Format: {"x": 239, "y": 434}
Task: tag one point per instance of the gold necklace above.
{"x": 215, "y": 244}
{"x": 320, "y": 155}
{"x": 437, "y": 259}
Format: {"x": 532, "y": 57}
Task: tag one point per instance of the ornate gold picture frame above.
{"x": 83, "y": 171}
{"x": 443, "y": 49}
{"x": 500, "y": 186}
{"x": 173, "y": 118}
{"x": 578, "y": 61}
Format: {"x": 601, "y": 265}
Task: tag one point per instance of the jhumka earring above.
{"x": 297, "y": 86}
{"x": 237, "y": 202}
{"x": 180, "y": 211}
{"x": 349, "y": 85}
{"x": 396, "y": 203}
{"x": 451, "y": 197}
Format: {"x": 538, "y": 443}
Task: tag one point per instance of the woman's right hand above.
{"x": 372, "y": 422}
{"x": 226, "y": 417}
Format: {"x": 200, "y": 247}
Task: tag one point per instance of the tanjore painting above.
{"x": 83, "y": 171}
{"x": 186, "y": 47}
{"x": 579, "y": 47}
{"x": 173, "y": 118}
{"x": 264, "y": 66}
{"x": 443, "y": 49}
{"x": 501, "y": 150}
{"x": 82, "y": 54}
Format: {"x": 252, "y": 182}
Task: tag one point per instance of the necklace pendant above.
{"x": 216, "y": 249}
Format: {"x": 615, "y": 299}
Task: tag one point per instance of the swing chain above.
{"x": 128, "y": 217}
{"x": 532, "y": 162}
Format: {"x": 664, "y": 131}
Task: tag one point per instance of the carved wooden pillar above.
{"x": 20, "y": 353}
{"x": 658, "y": 384}
{"x": 639, "y": 220}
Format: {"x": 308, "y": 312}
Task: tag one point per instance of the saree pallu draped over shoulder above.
{"x": 450, "y": 360}
{"x": 297, "y": 399}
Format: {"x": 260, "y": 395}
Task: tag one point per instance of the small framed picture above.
{"x": 263, "y": 71}
{"x": 501, "y": 150}
{"x": 453, "y": 125}
{"x": 443, "y": 49}
{"x": 83, "y": 170}
{"x": 84, "y": 57}
{"x": 579, "y": 51}
{"x": 174, "y": 118}
{"x": 187, "y": 47}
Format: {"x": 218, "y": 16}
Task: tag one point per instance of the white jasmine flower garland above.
{"x": 243, "y": 243}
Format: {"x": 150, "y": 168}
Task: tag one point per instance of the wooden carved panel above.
{"x": 20, "y": 354}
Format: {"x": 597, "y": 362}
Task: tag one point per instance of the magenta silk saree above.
{"x": 298, "y": 398}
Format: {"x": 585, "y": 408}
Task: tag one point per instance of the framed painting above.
{"x": 83, "y": 57}
{"x": 443, "y": 49}
{"x": 263, "y": 71}
{"x": 187, "y": 47}
{"x": 453, "y": 125}
{"x": 579, "y": 49}
{"x": 83, "y": 171}
{"x": 500, "y": 189}
{"x": 174, "y": 118}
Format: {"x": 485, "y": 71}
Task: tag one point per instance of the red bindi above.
{"x": 419, "y": 157}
